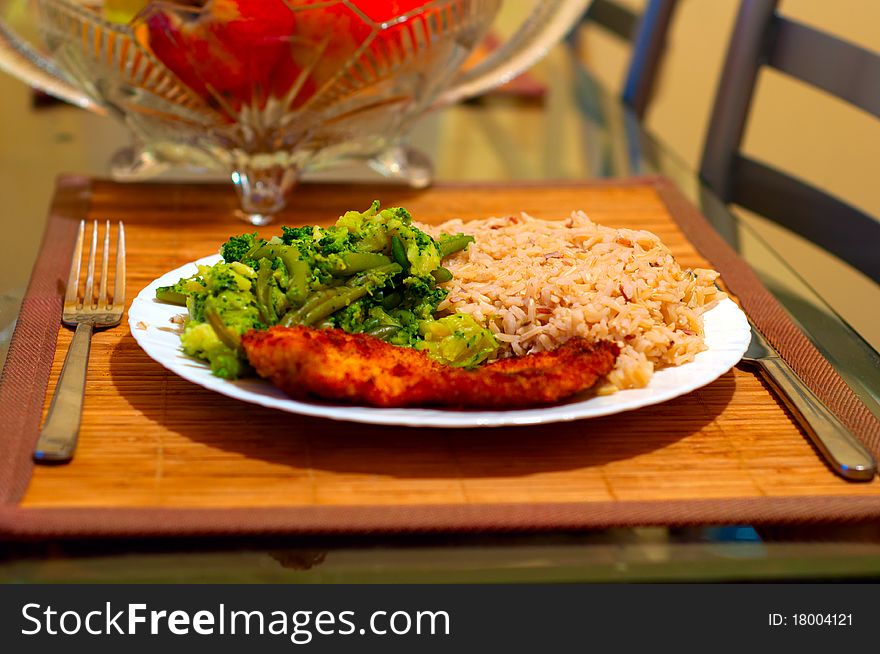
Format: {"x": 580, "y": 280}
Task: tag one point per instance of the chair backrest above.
{"x": 762, "y": 37}
{"x": 647, "y": 33}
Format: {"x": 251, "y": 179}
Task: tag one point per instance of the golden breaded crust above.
{"x": 362, "y": 369}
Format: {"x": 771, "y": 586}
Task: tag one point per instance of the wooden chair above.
{"x": 647, "y": 34}
{"x": 762, "y": 37}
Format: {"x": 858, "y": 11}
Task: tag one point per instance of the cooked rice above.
{"x": 537, "y": 283}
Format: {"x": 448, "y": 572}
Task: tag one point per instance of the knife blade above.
{"x": 843, "y": 452}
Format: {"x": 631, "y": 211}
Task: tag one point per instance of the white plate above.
{"x": 727, "y": 337}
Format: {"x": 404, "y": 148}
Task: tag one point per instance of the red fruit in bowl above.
{"x": 238, "y": 52}
{"x": 336, "y": 33}
{"x": 165, "y": 38}
{"x": 257, "y": 34}
{"x": 385, "y": 10}
{"x": 327, "y": 37}
{"x": 227, "y": 48}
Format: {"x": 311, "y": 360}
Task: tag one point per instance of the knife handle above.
{"x": 844, "y": 453}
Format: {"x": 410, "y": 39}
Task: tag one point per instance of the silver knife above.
{"x": 842, "y": 450}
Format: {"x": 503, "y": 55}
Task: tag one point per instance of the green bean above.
{"x": 356, "y": 262}
{"x": 294, "y": 299}
{"x": 452, "y": 244}
{"x": 165, "y": 294}
{"x": 399, "y": 252}
{"x": 299, "y": 275}
{"x": 298, "y": 270}
{"x": 370, "y": 324}
{"x": 263, "y": 293}
{"x": 261, "y": 251}
{"x": 383, "y": 271}
{"x": 333, "y": 283}
{"x": 279, "y": 302}
{"x": 441, "y": 275}
{"x": 295, "y": 317}
{"x": 391, "y": 300}
{"x": 317, "y": 304}
{"x": 384, "y": 332}
{"x": 339, "y": 300}
{"x": 288, "y": 319}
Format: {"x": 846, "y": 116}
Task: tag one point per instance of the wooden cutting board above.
{"x": 151, "y": 440}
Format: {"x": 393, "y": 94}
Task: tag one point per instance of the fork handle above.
{"x": 57, "y": 441}
{"x": 844, "y": 453}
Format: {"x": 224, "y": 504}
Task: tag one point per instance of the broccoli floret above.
{"x": 354, "y": 221}
{"x": 223, "y": 310}
{"x": 227, "y": 315}
{"x": 234, "y": 276}
{"x": 223, "y": 281}
{"x": 238, "y": 312}
{"x": 306, "y": 249}
{"x": 201, "y": 341}
{"x": 353, "y": 318}
{"x": 398, "y": 327}
{"x": 422, "y": 251}
{"x": 372, "y": 229}
{"x": 335, "y": 240}
{"x": 457, "y": 340}
{"x": 401, "y": 214}
{"x": 291, "y": 234}
{"x": 421, "y": 297}
{"x": 237, "y": 247}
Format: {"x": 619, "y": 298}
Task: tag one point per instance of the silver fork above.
{"x": 57, "y": 441}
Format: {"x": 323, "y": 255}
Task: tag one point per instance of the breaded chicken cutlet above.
{"x": 362, "y": 369}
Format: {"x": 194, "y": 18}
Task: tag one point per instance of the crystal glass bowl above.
{"x": 266, "y": 89}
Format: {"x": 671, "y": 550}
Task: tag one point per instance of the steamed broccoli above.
{"x": 371, "y": 272}
{"x": 237, "y": 247}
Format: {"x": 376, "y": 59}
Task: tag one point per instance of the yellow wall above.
{"x": 817, "y": 138}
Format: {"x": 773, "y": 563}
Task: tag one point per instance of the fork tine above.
{"x": 75, "y": 263}
{"x": 105, "y": 261}
{"x": 119, "y": 288}
{"x": 88, "y": 296}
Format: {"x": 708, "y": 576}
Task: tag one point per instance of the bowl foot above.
{"x": 263, "y": 191}
{"x": 406, "y": 164}
{"x": 134, "y": 163}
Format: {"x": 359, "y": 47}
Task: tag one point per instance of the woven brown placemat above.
{"x": 31, "y": 350}
{"x": 31, "y": 355}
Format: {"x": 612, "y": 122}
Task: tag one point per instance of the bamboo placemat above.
{"x": 158, "y": 455}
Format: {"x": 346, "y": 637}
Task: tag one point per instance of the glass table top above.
{"x": 575, "y": 131}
